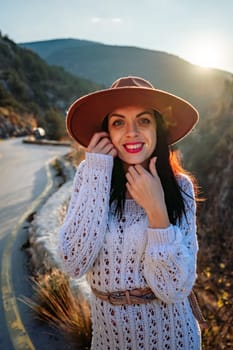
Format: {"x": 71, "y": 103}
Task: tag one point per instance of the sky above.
{"x": 200, "y": 31}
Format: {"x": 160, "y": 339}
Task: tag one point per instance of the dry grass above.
{"x": 55, "y": 303}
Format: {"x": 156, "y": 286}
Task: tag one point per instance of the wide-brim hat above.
{"x": 85, "y": 116}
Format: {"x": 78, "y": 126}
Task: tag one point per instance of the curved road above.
{"x": 25, "y": 181}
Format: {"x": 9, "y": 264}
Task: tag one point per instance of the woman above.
{"x": 130, "y": 225}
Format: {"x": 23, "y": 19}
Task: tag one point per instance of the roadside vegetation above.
{"x": 32, "y": 93}
{"x": 55, "y": 302}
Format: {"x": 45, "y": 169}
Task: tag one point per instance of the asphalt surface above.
{"x": 26, "y": 180}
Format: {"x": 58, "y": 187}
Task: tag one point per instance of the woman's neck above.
{"x": 145, "y": 165}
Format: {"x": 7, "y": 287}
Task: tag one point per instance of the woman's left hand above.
{"x": 146, "y": 189}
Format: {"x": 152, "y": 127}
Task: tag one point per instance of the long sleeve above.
{"x": 170, "y": 256}
{"x": 83, "y": 230}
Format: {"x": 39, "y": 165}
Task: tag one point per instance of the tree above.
{"x": 55, "y": 124}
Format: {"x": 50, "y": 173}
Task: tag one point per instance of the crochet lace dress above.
{"x": 123, "y": 254}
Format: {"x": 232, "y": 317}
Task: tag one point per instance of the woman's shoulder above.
{"x": 186, "y": 183}
{"x": 79, "y": 168}
{"x": 184, "y": 177}
{"x": 94, "y": 164}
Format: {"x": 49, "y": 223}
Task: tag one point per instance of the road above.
{"x": 25, "y": 182}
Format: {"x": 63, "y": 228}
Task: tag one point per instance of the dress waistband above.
{"x": 143, "y": 296}
{"x": 127, "y": 297}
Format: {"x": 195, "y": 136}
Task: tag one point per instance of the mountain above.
{"x": 33, "y": 92}
{"x": 105, "y": 63}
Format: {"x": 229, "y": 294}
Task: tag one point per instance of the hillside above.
{"x": 105, "y": 63}
{"x": 31, "y": 91}
{"x": 211, "y": 159}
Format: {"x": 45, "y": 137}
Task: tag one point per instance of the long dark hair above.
{"x": 167, "y": 166}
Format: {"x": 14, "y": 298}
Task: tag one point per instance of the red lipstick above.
{"x": 133, "y": 147}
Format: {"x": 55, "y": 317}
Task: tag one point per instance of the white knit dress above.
{"x": 123, "y": 254}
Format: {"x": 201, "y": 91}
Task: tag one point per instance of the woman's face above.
{"x": 132, "y": 130}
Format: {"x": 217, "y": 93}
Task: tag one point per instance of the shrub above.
{"x": 55, "y": 302}
{"x": 55, "y": 128}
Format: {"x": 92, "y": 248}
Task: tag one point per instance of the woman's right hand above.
{"x": 101, "y": 143}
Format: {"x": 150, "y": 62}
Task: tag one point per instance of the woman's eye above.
{"x": 144, "y": 121}
{"x": 117, "y": 122}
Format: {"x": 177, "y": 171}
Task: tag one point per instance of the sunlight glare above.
{"x": 206, "y": 55}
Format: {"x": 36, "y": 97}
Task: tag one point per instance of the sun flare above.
{"x": 206, "y": 55}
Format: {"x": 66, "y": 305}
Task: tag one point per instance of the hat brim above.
{"x": 85, "y": 115}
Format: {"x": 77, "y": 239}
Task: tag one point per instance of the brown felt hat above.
{"x": 85, "y": 115}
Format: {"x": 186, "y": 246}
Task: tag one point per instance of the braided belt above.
{"x": 143, "y": 296}
{"x": 127, "y": 297}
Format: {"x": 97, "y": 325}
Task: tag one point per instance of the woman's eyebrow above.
{"x": 144, "y": 112}
{"x": 138, "y": 115}
{"x": 116, "y": 115}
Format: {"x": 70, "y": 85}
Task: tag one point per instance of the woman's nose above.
{"x": 132, "y": 129}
